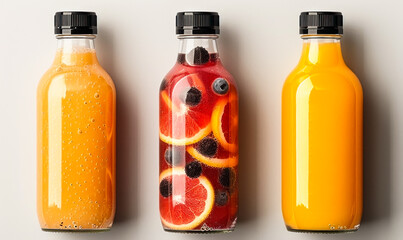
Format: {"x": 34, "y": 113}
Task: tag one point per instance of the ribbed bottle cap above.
{"x": 71, "y": 22}
{"x": 318, "y": 22}
{"x": 197, "y": 23}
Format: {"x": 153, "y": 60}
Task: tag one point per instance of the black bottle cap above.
{"x": 71, "y": 22}
{"x": 197, "y": 23}
{"x": 318, "y": 22}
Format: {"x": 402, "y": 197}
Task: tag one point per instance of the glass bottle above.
{"x": 322, "y": 104}
{"x": 76, "y": 132}
{"x": 198, "y": 133}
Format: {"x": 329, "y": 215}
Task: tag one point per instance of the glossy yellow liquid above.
{"x": 76, "y": 144}
{"x": 322, "y": 142}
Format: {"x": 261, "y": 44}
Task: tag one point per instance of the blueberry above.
{"x": 200, "y": 55}
{"x": 193, "y": 96}
{"x": 175, "y": 156}
{"x": 163, "y": 85}
{"x": 213, "y": 57}
{"x": 165, "y": 188}
{"x": 220, "y": 86}
{"x": 208, "y": 147}
{"x": 221, "y": 198}
{"x": 168, "y": 155}
{"x": 227, "y": 177}
{"x": 193, "y": 169}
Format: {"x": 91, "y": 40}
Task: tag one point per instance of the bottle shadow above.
{"x": 377, "y": 132}
{"x": 248, "y": 164}
{"x": 127, "y": 182}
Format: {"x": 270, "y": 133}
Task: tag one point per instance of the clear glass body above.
{"x": 76, "y": 140}
{"x": 198, "y": 141}
{"x": 322, "y": 104}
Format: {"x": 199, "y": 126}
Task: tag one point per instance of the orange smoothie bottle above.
{"x": 76, "y": 133}
{"x": 322, "y": 133}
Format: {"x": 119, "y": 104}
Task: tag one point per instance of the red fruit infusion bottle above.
{"x": 198, "y": 182}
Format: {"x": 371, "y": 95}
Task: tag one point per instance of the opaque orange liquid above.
{"x": 322, "y": 142}
{"x": 76, "y": 144}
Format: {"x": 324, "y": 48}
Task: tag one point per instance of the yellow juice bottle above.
{"x": 322, "y": 103}
{"x": 76, "y": 133}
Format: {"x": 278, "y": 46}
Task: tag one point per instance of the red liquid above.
{"x": 185, "y": 128}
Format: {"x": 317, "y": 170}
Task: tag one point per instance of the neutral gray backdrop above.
{"x": 260, "y": 45}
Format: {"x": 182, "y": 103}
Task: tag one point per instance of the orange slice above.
{"x": 231, "y": 161}
{"x": 181, "y": 124}
{"x": 224, "y": 122}
{"x": 190, "y": 202}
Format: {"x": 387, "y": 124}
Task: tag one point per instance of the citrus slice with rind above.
{"x": 224, "y": 122}
{"x": 190, "y": 202}
{"x": 182, "y": 124}
{"x": 231, "y": 161}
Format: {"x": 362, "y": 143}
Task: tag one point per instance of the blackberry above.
{"x": 163, "y": 85}
{"x": 193, "y": 169}
{"x": 200, "y": 56}
{"x": 165, "y": 188}
{"x": 221, "y": 198}
{"x": 181, "y": 58}
{"x": 208, "y": 147}
{"x": 227, "y": 177}
{"x": 193, "y": 97}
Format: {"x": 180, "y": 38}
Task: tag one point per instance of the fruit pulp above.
{"x": 191, "y": 153}
{"x": 76, "y": 144}
{"x": 322, "y": 142}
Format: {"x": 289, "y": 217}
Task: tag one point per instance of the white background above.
{"x": 259, "y": 45}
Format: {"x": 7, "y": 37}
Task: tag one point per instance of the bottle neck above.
{"x": 76, "y": 50}
{"x": 321, "y": 50}
{"x": 189, "y": 42}
{"x": 198, "y": 50}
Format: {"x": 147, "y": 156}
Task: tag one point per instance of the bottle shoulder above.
{"x": 322, "y": 77}
{"x": 75, "y": 77}
{"x": 205, "y": 73}
{"x": 207, "y": 79}
{"x": 182, "y": 69}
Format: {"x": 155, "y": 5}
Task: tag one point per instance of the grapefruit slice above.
{"x": 231, "y": 161}
{"x": 190, "y": 200}
{"x": 224, "y": 122}
{"x": 181, "y": 123}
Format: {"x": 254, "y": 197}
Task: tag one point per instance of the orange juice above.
{"x": 322, "y": 140}
{"x": 76, "y": 140}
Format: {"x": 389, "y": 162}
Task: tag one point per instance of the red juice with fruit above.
{"x": 198, "y": 183}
